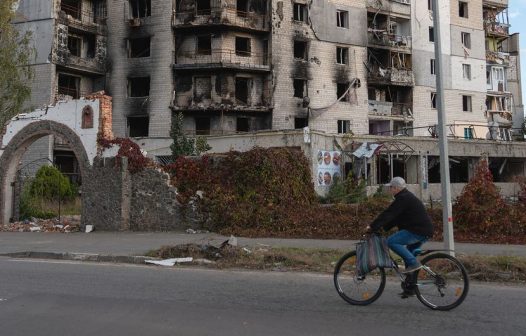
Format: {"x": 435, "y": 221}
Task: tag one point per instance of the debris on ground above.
{"x": 89, "y": 228}
{"x": 169, "y": 262}
{"x": 192, "y": 231}
{"x": 66, "y": 224}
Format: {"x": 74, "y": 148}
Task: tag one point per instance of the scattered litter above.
{"x": 232, "y": 241}
{"x": 44, "y": 225}
{"x": 89, "y": 228}
{"x": 169, "y": 262}
{"x": 204, "y": 261}
{"x": 247, "y": 250}
{"x": 192, "y": 231}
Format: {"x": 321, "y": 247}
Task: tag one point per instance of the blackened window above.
{"x": 202, "y": 7}
{"x": 140, "y": 8}
{"x": 242, "y": 46}
{"x": 431, "y": 34}
{"x": 69, "y": 85}
{"x": 138, "y": 126}
{"x": 139, "y": 87}
{"x": 242, "y": 125}
{"x": 202, "y": 126}
{"x": 301, "y": 122}
{"x": 299, "y": 87}
{"x": 342, "y": 91}
{"x": 242, "y": 86}
{"x": 204, "y": 45}
{"x": 300, "y": 50}
{"x": 139, "y": 47}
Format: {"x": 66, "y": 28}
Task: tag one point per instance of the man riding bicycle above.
{"x": 409, "y": 214}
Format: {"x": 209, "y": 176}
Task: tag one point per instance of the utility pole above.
{"x": 447, "y": 212}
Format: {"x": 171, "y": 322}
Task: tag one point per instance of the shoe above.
{"x": 406, "y": 294}
{"x": 412, "y": 268}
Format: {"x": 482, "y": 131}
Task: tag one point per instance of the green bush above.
{"x": 49, "y": 183}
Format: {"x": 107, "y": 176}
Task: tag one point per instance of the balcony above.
{"x": 497, "y": 57}
{"x": 393, "y": 76}
{"x": 496, "y": 29}
{"x": 389, "y": 109}
{"x": 82, "y": 20}
{"x": 402, "y": 7}
{"x": 503, "y": 118}
{"x": 248, "y": 21}
{"x": 217, "y": 59}
{"x": 383, "y": 39}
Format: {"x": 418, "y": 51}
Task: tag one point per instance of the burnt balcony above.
{"x": 80, "y": 64}
{"x": 83, "y": 20}
{"x": 497, "y": 57}
{"x": 393, "y": 76}
{"x": 383, "y": 109}
{"x": 383, "y": 39}
{"x": 217, "y": 17}
{"x": 221, "y": 59}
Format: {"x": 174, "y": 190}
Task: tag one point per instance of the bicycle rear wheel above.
{"x": 354, "y": 288}
{"x": 442, "y": 283}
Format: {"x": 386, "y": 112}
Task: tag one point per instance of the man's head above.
{"x": 396, "y": 185}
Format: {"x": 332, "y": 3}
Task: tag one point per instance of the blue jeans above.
{"x": 404, "y": 243}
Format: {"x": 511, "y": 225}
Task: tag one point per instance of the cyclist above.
{"x": 409, "y": 214}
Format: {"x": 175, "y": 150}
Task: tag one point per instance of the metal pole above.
{"x": 447, "y": 216}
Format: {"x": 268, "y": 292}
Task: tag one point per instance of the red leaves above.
{"x": 136, "y": 160}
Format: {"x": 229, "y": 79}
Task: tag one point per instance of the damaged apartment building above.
{"x": 70, "y": 41}
{"x": 234, "y": 67}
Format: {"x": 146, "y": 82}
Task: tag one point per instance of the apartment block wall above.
{"x": 157, "y": 66}
{"x": 320, "y": 69}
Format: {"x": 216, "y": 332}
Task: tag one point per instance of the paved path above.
{"x": 134, "y": 243}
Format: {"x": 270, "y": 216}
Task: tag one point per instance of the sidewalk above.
{"x": 125, "y": 244}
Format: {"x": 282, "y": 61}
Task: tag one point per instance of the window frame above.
{"x": 342, "y": 55}
{"x": 467, "y": 103}
{"x": 466, "y": 71}
{"x": 342, "y": 18}
{"x": 465, "y": 39}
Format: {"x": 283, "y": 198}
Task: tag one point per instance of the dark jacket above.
{"x": 406, "y": 212}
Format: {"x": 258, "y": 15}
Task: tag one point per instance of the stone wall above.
{"x": 115, "y": 200}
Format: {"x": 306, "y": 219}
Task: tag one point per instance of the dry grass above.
{"x": 482, "y": 268}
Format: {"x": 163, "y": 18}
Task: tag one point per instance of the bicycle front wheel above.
{"x": 354, "y": 288}
{"x": 442, "y": 282}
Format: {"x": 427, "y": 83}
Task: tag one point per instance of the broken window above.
{"x": 140, "y": 8}
{"x": 204, "y": 45}
{"x": 466, "y": 39}
{"x": 299, "y": 87}
{"x": 463, "y": 9}
{"x": 341, "y": 91}
{"x": 242, "y": 125}
{"x": 300, "y": 50}
{"x": 202, "y": 126}
{"x": 466, "y": 71}
{"x": 202, "y": 88}
{"x": 99, "y": 11}
{"x": 342, "y": 19}
{"x": 342, "y": 55}
{"x": 300, "y": 12}
{"x": 202, "y": 7}
{"x": 71, "y": 7}
{"x": 139, "y": 87}
{"x": 242, "y": 8}
{"x": 432, "y": 66}
{"x": 74, "y": 45}
{"x": 90, "y": 44}
{"x": 466, "y": 103}
{"x": 69, "y": 85}
{"x": 344, "y": 126}
{"x": 299, "y": 123}
{"x": 138, "y": 126}
{"x": 431, "y": 34}
{"x": 242, "y": 90}
{"x": 242, "y": 46}
{"x": 139, "y": 47}
{"x": 433, "y": 100}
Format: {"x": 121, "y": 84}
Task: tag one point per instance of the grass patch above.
{"x": 481, "y": 268}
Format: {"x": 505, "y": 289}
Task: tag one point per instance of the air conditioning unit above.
{"x": 135, "y": 22}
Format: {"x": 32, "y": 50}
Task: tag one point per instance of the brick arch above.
{"x": 17, "y": 146}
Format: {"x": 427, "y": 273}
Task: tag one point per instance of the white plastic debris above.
{"x": 191, "y": 231}
{"x": 169, "y": 262}
{"x": 89, "y": 228}
{"x": 60, "y": 226}
{"x": 232, "y": 241}
{"x": 247, "y": 250}
{"x": 204, "y": 261}
{"x": 34, "y": 228}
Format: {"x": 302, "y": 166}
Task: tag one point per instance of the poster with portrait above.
{"x": 329, "y": 167}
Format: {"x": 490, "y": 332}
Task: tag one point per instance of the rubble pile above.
{"x": 66, "y": 224}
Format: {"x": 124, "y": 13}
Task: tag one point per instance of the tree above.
{"x": 15, "y": 72}
{"x": 183, "y": 146}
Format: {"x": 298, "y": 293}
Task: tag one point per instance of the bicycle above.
{"x": 441, "y": 284}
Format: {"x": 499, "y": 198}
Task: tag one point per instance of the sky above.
{"x": 517, "y": 17}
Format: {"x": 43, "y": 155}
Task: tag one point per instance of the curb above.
{"x": 79, "y": 257}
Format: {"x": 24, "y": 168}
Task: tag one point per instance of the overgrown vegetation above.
{"x": 42, "y": 194}
{"x": 182, "y": 145}
{"x": 137, "y": 161}
{"x": 15, "y": 55}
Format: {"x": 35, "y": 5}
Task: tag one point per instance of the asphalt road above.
{"x": 39, "y": 297}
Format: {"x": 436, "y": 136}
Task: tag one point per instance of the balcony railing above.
{"x": 382, "y": 108}
{"x": 222, "y": 16}
{"x": 84, "y": 19}
{"x": 221, "y": 58}
{"x": 496, "y": 28}
{"x": 389, "y": 40}
{"x": 497, "y": 57}
{"x": 392, "y": 76}
{"x": 393, "y": 6}
{"x": 191, "y": 101}
{"x": 88, "y": 64}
